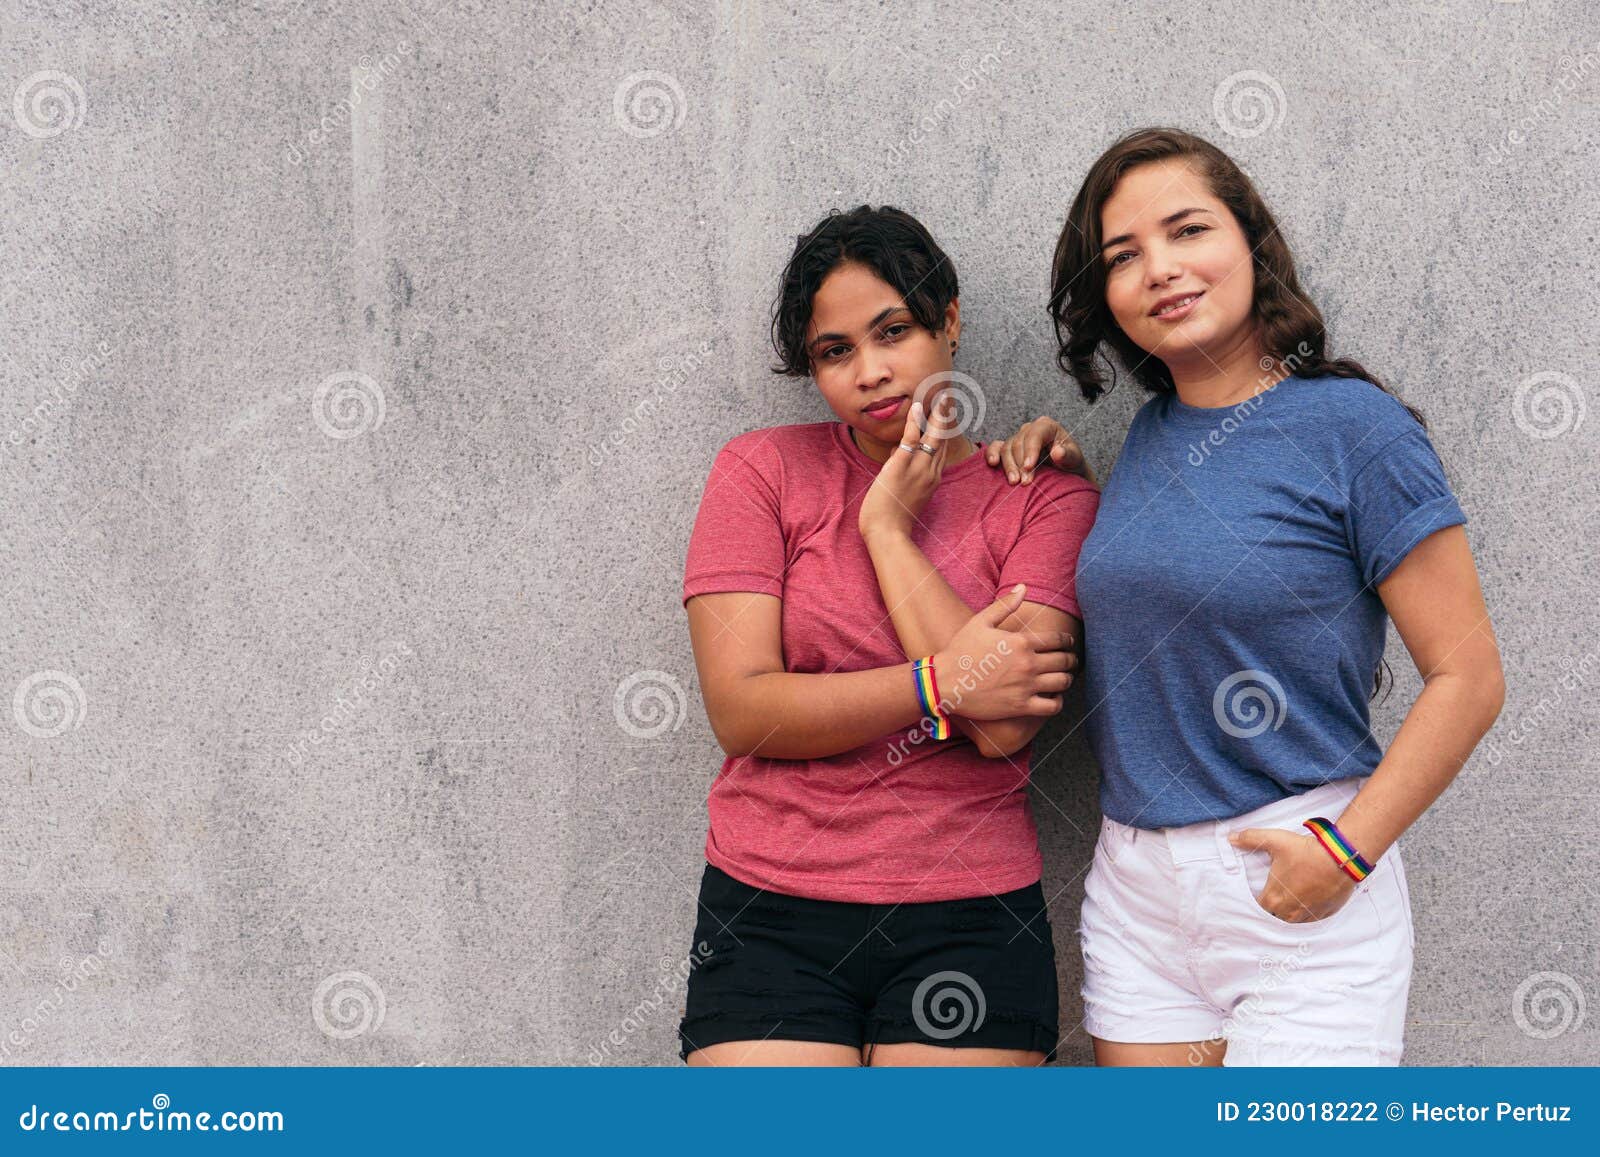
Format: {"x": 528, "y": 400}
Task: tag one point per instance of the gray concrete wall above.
{"x": 362, "y": 366}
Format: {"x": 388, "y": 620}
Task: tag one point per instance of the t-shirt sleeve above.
{"x": 737, "y": 541}
{"x": 1398, "y": 498}
{"x": 1045, "y": 555}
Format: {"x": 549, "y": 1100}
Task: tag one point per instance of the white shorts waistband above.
{"x": 1208, "y": 839}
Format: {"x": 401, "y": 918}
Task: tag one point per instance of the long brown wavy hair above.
{"x": 1291, "y": 326}
{"x": 1293, "y": 334}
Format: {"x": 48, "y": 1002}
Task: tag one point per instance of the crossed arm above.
{"x": 927, "y": 613}
{"x": 758, "y": 708}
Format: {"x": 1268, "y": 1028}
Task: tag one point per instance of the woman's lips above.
{"x": 1182, "y": 311}
{"x": 884, "y": 410}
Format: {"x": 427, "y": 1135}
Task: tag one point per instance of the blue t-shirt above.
{"x": 1231, "y": 621}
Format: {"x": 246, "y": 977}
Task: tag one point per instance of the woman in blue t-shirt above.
{"x": 1270, "y": 511}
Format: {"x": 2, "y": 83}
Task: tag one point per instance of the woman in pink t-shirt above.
{"x": 881, "y": 625}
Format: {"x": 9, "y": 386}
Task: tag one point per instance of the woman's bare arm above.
{"x": 927, "y": 613}
{"x": 1437, "y": 606}
{"x": 758, "y": 708}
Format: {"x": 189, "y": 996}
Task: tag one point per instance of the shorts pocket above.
{"x": 1256, "y": 867}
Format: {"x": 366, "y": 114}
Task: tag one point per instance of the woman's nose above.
{"x": 1161, "y": 265}
{"x": 872, "y": 370}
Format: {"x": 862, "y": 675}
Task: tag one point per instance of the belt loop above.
{"x": 1231, "y": 860}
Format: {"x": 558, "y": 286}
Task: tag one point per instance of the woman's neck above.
{"x": 1213, "y": 380}
{"x": 960, "y": 447}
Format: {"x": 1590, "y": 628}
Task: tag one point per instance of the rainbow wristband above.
{"x": 1356, "y": 865}
{"x": 928, "y": 696}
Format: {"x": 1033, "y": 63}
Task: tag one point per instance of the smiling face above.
{"x": 1179, "y": 279}
{"x": 866, "y": 348}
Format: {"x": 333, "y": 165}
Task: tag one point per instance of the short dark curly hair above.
{"x": 889, "y": 241}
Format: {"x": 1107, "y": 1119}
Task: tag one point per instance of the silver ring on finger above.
{"x": 907, "y": 447}
{"x": 926, "y": 448}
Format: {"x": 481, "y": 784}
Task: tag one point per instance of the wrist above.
{"x": 1370, "y": 842}
{"x": 930, "y": 697}
{"x": 1341, "y": 848}
{"x": 880, "y": 535}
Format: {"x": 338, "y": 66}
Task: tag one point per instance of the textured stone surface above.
{"x": 555, "y": 273}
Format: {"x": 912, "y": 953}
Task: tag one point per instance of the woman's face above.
{"x": 867, "y": 350}
{"x": 1179, "y": 279}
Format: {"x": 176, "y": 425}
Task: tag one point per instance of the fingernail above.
{"x": 1028, "y": 461}
{"x": 1013, "y": 477}
{"x": 1027, "y": 476}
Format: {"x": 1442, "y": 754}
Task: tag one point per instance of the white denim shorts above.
{"x": 1176, "y": 948}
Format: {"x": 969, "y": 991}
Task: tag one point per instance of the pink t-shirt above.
{"x": 890, "y": 821}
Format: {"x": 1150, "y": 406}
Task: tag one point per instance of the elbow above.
{"x": 999, "y": 741}
{"x": 733, "y": 739}
{"x": 1494, "y": 694}
{"x": 734, "y": 745}
{"x": 1477, "y": 692}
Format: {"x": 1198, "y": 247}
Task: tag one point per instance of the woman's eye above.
{"x": 895, "y": 330}
{"x": 1117, "y": 259}
{"x": 1184, "y": 232}
{"x": 834, "y": 353}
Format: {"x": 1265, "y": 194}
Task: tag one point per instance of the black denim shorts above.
{"x": 978, "y": 973}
